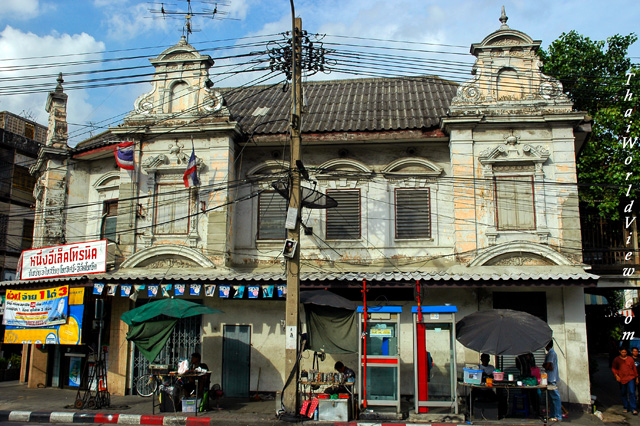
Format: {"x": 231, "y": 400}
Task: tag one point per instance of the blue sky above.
{"x": 45, "y": 30}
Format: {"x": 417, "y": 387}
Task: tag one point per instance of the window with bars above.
{"x": 4, "y": 228}
{"x": 413, "y": 213}
{"x": 515, "y": 210}
{"x": 22, "y": 179}
{"x": 172, "y": 209}
{"x": 27, "y": 234}
{"x": 343, "y": 221}
{"x": 272, "y": 213}
{"x": 109, "y": 221}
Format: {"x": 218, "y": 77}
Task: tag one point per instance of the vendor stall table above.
{"x": 200, "y": 380}
{"x": 508, "y": 386}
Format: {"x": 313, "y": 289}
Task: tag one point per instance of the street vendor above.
{"x": 348, "y": 376}
{"x": 487, "y": 369}
{"x": 196, "y": 366}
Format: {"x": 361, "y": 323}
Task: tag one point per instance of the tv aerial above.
{"x": 167, "y": 11}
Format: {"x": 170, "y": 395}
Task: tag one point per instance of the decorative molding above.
{"x": 152, "y": 164}
{"x": 512, "y": 154}
{"x": 426, "y": 168}
{"x": 185, "y": 255}
{"x": 520, "y": 249}
{"x": 107, "y": 182}
{"x": 341, "y": 164}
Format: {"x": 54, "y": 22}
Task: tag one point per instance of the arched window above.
{"x": 178, "y": 97}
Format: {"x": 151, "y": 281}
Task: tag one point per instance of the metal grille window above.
{"x": 172, "y": 209}
{"x": 515, "y": 209}
{"x": 109, "y": 221}
{"x": 22, "y": 179}
{"x": 4, "y": 227}
{"x": 413, "y": 213}
{"x": 343, "y": 221}
{"x": 27, "y": 234}
{"x": 272, "y": 213}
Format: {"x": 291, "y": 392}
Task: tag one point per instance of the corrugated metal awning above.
{"x": 458, "y": 276}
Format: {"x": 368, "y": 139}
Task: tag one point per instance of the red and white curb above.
{"x": 123, "y": 419}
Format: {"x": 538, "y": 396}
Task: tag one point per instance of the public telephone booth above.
{"x": 379, "y": 366}
{"x": 434, "y": 354}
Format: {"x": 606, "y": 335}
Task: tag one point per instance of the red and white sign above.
{"x": 61, "y": 261}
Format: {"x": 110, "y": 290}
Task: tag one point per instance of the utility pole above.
{"x": 292, "y": 315}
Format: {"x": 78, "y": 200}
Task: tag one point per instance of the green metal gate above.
{"x": 184, "y": 341}
{"x": 236, "y": 360}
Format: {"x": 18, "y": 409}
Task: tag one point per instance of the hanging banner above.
{"x": 69, "y": 333}
{"x": 125, "y": 290}
{"x": 253, "y": 291}
{"x": 282, "y": 290}
{"x": 111, "y": 291}
{"x": 210, "y": 290}
{"x": 165, "y": 289}
{"x": 267, "y": 291}
{"x": 152, "y": 290}
{"x": 178, "y": 289}
{"x": 224, "y": 291}
{"x": 36, "y": 308}
{"x": 61, "y": 261}
{"x": 238, "y": 291}
{"x": 98, "y": 288}
{"x": 194, "y": 289}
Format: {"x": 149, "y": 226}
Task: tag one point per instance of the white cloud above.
{"x": 127, "y": 23}
{"x": 20, "y": 9}
{"x": 17, "y": 46}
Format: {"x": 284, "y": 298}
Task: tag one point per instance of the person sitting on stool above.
{"x": 348, "y": 376}
{"x": 196, "y": 367}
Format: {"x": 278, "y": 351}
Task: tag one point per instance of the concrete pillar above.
{"x": 118, "y": 347}
{"x": 38, "y": 367}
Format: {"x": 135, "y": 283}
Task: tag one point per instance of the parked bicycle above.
{"x": 147, "y": 385}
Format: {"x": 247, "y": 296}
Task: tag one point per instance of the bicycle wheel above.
{"x": 146, "y": 385}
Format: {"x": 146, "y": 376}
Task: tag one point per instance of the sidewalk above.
{"x": 52, "y": 405}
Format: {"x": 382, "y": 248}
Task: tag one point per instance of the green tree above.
{"x": 593, "y": 74}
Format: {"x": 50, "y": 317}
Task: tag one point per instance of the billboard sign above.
{"x": 65, "y": 260}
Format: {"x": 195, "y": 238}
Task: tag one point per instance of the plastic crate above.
{"x": 498, "y": 377}
{"x": 471, "y": 376}
{"x": 189, "y": 405}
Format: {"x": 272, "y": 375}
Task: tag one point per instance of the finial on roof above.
{"x": 503, "y": 19}
{"x": 60, "y": 81}
{"x": 183, "y": 41}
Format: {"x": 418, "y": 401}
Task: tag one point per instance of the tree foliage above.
{"x": 593, "y": 74}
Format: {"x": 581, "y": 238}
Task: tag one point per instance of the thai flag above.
{"x": 191, "y": 174}
{"x": 124, "y": 155}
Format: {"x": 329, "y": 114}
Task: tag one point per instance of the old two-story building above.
{"x": 465, "y": 192}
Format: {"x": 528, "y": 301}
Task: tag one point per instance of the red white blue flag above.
{"x": 191, "y": 174}
{"x": 124, "y": 155}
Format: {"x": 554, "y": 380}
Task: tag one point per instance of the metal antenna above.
{"x": 189, "y": 14}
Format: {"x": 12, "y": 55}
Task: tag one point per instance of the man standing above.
{"x": 553, "y": 377}
{"x": 635, "y": 354}
{"x": 626, "y": 374}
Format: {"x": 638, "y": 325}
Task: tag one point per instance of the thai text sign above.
{"x": 67, "y": 333}
{"x": 68, "y": 259}
{"x": 36, "y": 308}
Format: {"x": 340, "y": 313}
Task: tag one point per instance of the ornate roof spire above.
{"x": 503, "y": 19}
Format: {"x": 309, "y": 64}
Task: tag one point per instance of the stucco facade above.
{"x": 510, "y": 121}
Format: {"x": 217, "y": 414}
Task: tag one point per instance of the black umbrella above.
{"x": 503, "y": 332}
{"x": 326, "y": 298}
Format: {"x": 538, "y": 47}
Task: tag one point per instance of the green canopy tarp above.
{"x": 332, "y": 330}
{"x": 150, "y": 337}
{"x": 176, "y": 308}
{"x": 150, "y": 332}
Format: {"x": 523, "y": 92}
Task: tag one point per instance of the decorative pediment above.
{"x": 517, "y": 253}
{"x": 412, "y": 166}
{"x": 508, "y": 78}
{"x": 108, "y": 181}
{"x": 165, "y": 255}
{"x": 343, "y": 165}
{"x": 152, "y": 164}
{"x": 514, "y": 154}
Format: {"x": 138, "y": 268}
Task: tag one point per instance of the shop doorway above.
{"x": 184, "y": 341}
{"x": 236, "y": 360}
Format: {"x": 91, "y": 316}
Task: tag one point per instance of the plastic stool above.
{"x": 520, "y": 404}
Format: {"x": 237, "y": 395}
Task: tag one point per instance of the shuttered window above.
{"x": 413, "y": 213}
{"x": 515, "y": 203}
{"x": 272, "y": 208}
{"x": 109, "y": 221}
{"x": 343, "y": 221}
{"x": 172, "y": 209}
